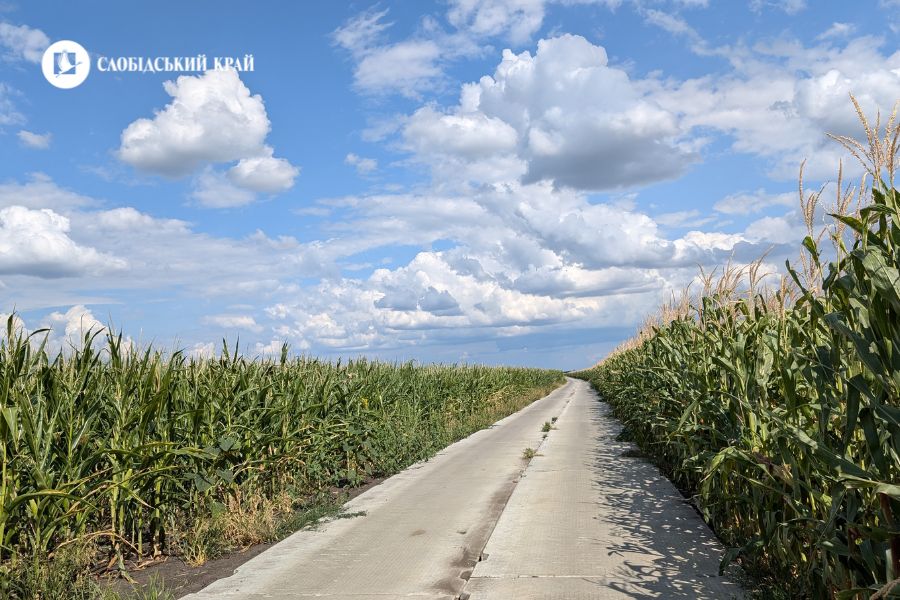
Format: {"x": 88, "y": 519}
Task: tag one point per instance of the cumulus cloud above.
{"x": 20, "y": 42}
{"x": 38, "y": 141}
{"x": 471, "y": 136}
{"x": 74, "y": 323}
{"x": 525, "y": 251}
{"x": 264, "y": 174}
{"x": 96, "y": 254}
{"x": 36, "y": 243}
{"x": 428, "y": 299}
{"x": 528, "y": 258}
{"x": 214, "y": 189}
{"x": 782, "y": 97}
{"x": 212, "y": 118}
{"x": 65, "y": 329}
{"x": 563, "y": 115}
{"x": 68, "y": 329}
{"x": 202, "y": 350}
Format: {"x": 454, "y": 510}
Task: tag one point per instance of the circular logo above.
{"x": 66, "y": 64}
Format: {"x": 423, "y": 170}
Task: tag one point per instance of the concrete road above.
{"x": 587, "y": 522}
{"x": 582, "y": 522}
{"x": 422, "y": 532}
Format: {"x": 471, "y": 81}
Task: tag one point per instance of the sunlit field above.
{"x": 112, "y": 455}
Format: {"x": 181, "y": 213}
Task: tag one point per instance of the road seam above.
{"x": 463, "y": 594}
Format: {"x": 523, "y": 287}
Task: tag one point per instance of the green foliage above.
{"x": 785, "y": 423}
{"x": 125, "y": 448}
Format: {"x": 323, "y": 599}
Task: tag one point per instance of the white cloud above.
{"x": 682, "y": 218}
{"x": 529, "y": 251}
{"x": 408, "y": 67}
{"x": 528, "y": 258}
{"x": 202, "y": 350}
{"x": 837, "y": 30}
{"x": 36, "y": 243}
{"x": 128, "y": 219}
{"x": 39, "y": 141}
{"x": 234, "y": 322}
{"x": 564, "y": 115}
{"x": 472, "y": 136}
{"x": 41, "y": 192}
{"x": 213, "y": 189}
{"x": 74, "y": 323}
{"x": 672, "y": 23}
{"x": 20, "y": 42}
{"x": 272, "y": 349}
{"x": 785, "y": 229}
{"x": 92, "y": 247}
{"x": 516, "y": 19}
{"x": 782, "y": 97}
{"x": 708, "y": 241}
{"x": 264, "y": 174}
{"x": 362, "y": 32}
{"x": 746, "y": 203}
{"x": 213, "y": 118}
{"x": 18, "y": 325}
{"x": 363, "y": 165}
{"x": 67, "y": 330}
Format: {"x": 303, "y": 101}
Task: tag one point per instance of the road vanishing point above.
{"x": 583, "y": 519}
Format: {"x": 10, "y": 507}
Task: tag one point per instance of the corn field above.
{"x": 779, "y": 410}
{"x": 124, "y": 448}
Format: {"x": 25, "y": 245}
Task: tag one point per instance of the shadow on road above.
{"x": 665, "y": 550}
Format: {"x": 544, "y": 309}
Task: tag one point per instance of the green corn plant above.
{"x": 781, "y": 415}
{"x": 127, "y": 449}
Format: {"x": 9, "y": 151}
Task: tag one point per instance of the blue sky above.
{"x": 513, "y": 182}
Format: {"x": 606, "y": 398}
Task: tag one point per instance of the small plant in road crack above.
{"x": 547, "y": 427}
{"x": 529, "y": 453}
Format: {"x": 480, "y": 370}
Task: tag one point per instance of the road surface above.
{"x": 479, "y": 521}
